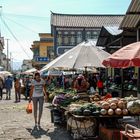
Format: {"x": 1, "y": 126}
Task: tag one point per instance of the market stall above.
{"x": 89, "y": 116}
{"x": 126, "y": 57}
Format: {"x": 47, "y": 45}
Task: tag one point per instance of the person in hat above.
{"x": 81, "y": 84}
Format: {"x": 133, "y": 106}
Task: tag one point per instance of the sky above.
{"x": 22, "y": 20}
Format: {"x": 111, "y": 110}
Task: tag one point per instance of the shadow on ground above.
{"x": 37, "y": 132}
{"x": 59, "y": 133}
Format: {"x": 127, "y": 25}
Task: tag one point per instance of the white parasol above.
{"x": 86, "y": 54}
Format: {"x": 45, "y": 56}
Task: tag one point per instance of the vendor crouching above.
{"x": 81, "y": 84}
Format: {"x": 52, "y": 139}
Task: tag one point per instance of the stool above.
{"x": 134, "y": 135}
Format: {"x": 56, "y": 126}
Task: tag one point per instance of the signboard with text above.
{"x": 42, "y": 59}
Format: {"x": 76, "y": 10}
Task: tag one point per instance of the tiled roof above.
{"x": 132, "y": 17}
{"x": 67, "y": 20}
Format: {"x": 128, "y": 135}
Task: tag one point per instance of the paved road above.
{"x": 16, "y": 124}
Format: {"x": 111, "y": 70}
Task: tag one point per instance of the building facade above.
{"x": 27, "y": 64}
{"x": 5, "y": 63}
{"x": 70, "y": 30}
{"x": 1, "y": 50}
{"x": 43, "y": 51}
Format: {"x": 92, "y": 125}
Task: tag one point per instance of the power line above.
{"x": 27, "y": 28}
{"x": 14, "y": 36}
{"x": 27, "y": 16}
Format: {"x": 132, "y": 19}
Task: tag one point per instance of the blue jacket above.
{"x": 8, "y": 83}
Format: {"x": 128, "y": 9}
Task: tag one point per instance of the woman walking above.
{"x": 37, "y": 94}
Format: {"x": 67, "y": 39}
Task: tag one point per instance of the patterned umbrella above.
{"x": 127, "y": 56}
{"x": 86, "y": 54}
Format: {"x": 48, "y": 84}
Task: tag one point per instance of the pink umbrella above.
{"x": 125, "y": 57}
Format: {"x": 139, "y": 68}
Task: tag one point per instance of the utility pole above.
{"x": 7, "y": 54}
{"x": 11, "y": 62}
{"x": 0, "y": 18}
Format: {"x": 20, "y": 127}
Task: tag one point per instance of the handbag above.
{"x": 29, "y": 108}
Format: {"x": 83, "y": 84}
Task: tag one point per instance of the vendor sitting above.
{"x": 81, "y": 84}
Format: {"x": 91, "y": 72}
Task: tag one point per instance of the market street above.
{"x": 16, "y": 124}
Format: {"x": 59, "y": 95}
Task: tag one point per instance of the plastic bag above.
{"x": 29, "y": 108}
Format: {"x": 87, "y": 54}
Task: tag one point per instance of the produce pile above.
{"x": 57, "y": 91}
{"x": 113, "y": 106}
{"x": 134, "y": 107}
{"x": 86, "y": 109}
{"x": 106, "y": 106}
{"x": 63, "y": 99}
{"x": 84, "y": 104}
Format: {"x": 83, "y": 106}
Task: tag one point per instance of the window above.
{"x": 50, "y": 53}
{"x": 46, "y": 39}
{"x": 79, "y": 37}
{"x": 66, "y": 38}
{"x": 88, "y": 35}
{"x": 59, "y": 39}
{"x": 36, "y": 53}
{"x": 95, "y": 34}
{"x": 72, "y": 38}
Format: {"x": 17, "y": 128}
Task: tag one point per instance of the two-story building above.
{"x": 27, "y": 64}
{"x": 43, "y": 51}
{"x": 68, "y": 30}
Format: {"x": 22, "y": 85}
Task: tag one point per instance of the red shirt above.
{"x": 100, "y": 84}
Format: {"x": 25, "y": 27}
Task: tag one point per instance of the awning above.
{"x": 108, "y": 34}
{"x": 130, "y": 21}
{"x": 132, "y": 17}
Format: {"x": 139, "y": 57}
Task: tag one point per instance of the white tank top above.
{"x": 38, "y": 88}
